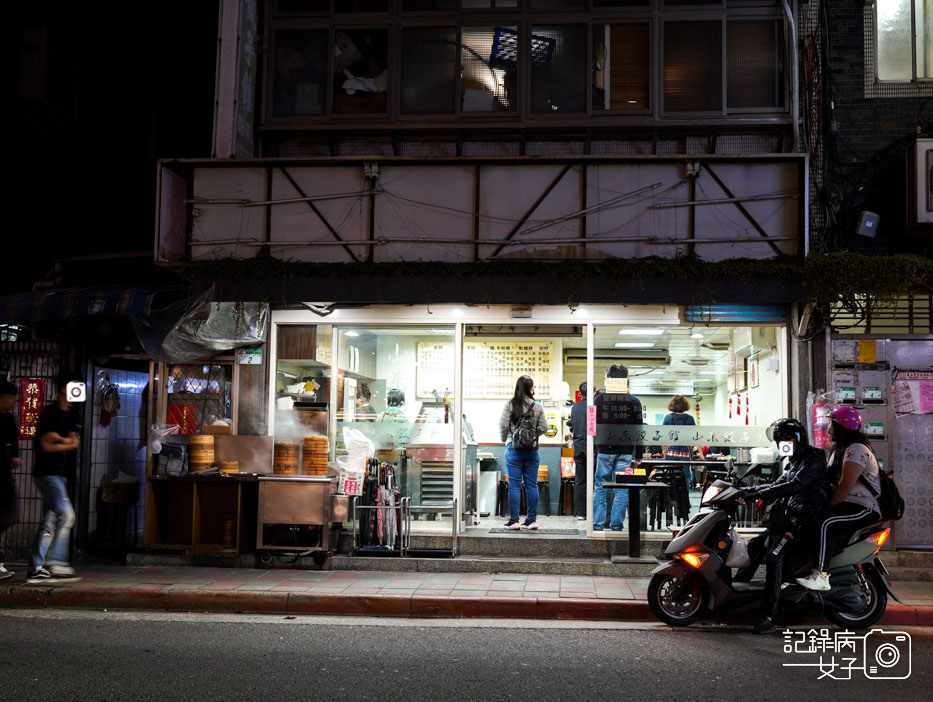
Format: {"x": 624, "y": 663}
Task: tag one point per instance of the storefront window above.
{"x": 489, "y": 58}
{"x": 704, "y": 394}
{"x": 693, "y": 66}
{"x": 300, "y": 83}
{"x": 429, "y": 66}
{"x": 302, "y": 382}
{"x": 395, "y": 393}
{"x": 361, "y": 70}
{"x": 621, "y": 66}
{"x": 755, "y": 69}
{"x": 558, "y": 68}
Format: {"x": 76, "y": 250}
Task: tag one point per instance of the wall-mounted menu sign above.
{"x": 490, "y": 368}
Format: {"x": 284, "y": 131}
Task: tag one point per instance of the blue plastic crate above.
{"x": 505, "y": 49}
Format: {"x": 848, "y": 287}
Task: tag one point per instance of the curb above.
{"x": 19, "y": 596}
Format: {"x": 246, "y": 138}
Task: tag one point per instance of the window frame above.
{"x": 876, "y": 87}
{"x": 655, "y": 14}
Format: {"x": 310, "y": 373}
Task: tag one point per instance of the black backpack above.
{"x": 889, "y": 499}
{"x": 525, "y": 435}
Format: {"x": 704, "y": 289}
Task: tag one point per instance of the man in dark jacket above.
{"x": 806, "y": 485}
{"x": 577, "y": 424}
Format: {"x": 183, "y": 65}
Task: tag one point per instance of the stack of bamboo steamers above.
{"x": 314, "y": 456}
{"x": 200, "y": 452}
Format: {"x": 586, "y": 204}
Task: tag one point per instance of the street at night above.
{"x": 114, "y": 656}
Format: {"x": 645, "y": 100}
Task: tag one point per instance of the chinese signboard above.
{"x": 705, "y": 435}
{"x": 31, "y": 402}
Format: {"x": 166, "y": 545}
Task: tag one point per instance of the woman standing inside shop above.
{"x": 520, "y": 425}
{"x": 678, "y": 416}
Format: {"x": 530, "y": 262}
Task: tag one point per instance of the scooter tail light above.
{"x": 694, "y": 559}
{"x": 879, "y": 538}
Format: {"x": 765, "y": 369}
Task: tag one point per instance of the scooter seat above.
{"x": 752, "y": 586}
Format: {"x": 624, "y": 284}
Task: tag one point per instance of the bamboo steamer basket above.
{"x": 285, "y": 459}
{"x": 314, "y": 455}
{"x": 229, "y": 466}
{"x": 200, "y": 452}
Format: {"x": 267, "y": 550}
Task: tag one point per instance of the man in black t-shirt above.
{"x": 9, "y": 461}
{"x": 56, "y": 444}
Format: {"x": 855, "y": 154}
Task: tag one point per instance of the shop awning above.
{"x": 45, "y": 306}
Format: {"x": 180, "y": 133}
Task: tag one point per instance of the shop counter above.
{"x": 212, "y": 515}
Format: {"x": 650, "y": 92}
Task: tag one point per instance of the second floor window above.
{"x": 904, "y": 40}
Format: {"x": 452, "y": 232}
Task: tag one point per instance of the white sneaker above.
{"x": 817, "y": 580}
{"x": 4, "y": 573}
{"x": 63, "y": 573}
{"x": 581, "y": 519}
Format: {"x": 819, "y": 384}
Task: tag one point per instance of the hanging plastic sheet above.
{"x": 188, "y": 332}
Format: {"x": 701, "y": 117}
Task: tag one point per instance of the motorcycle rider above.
{"x": 807, "y": 485}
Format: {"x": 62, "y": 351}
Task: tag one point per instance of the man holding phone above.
{"x": 56, "y": 444}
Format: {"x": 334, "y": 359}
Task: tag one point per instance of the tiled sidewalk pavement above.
{"x": 365, "y": 592}
{"x": 359, "y": 582}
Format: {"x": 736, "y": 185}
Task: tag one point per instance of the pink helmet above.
{"x": 847, "y": 417}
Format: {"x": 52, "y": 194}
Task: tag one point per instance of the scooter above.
{"x": 696, "y": 580}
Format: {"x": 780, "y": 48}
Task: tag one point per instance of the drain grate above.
{"x": 563, "y": 532}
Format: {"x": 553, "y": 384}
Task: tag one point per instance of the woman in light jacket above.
{"x": 522, "y": 463}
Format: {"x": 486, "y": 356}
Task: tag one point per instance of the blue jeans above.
{"x": 607, "y": 465}
{"x": 58, "y": 516}
{"x": 523, "y": 466}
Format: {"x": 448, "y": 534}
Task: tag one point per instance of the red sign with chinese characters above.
{"x": 31, "y": 402}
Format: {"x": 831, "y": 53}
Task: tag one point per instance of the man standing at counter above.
{"x": 613, "y": 409}
{"x": 577, "y": 424}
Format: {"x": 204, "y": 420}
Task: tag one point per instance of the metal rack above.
{"x": 404, "y": 541}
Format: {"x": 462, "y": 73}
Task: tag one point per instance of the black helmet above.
{"x": 788, "y": 428}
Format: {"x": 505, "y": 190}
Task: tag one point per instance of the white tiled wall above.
{"x": 120, "y": 447}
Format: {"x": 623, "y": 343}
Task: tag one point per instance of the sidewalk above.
{"x": 496, "y": 595}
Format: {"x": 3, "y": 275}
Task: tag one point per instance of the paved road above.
{"x": 81, "y": 655}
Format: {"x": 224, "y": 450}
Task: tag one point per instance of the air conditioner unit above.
{"x": 577, "y": 357}
{"x": 920, "y": 183}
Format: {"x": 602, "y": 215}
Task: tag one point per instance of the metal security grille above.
{"x": 198, "y": 395}
{"x": 27, "y": 360}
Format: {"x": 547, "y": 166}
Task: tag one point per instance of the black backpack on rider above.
{"x": 890, "y": 502}
{"x": 525, "y": 435}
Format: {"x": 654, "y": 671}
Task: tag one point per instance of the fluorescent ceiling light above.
{"x": 352, "y": 333}
{"x": 696, "y": 335}
{"x": 641, "y": 332}
{"x": 711, "y": 373}
{"x": 634, "y": 345}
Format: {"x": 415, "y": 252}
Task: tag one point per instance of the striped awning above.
{"x": 50, "y": 305}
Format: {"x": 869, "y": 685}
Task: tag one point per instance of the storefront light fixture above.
{"x": 352, "y": 333}
{"x": 634, "y": 345}
{"x": 641, "y": 332}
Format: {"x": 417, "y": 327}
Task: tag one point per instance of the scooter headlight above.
{"x": 711, "y": 492}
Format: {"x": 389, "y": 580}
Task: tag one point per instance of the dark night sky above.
{"x": 128, "y": 83}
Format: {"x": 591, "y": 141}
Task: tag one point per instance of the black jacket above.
{"x": 806, "y": 484}
{"x": 577, "y": 424}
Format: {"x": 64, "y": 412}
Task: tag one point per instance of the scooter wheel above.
{"x": 868, "y": 615}
{"x": 677, "y": 601}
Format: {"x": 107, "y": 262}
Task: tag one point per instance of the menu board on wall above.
{"x": 435, "y": 368}
{"x": 490, "y": 368}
